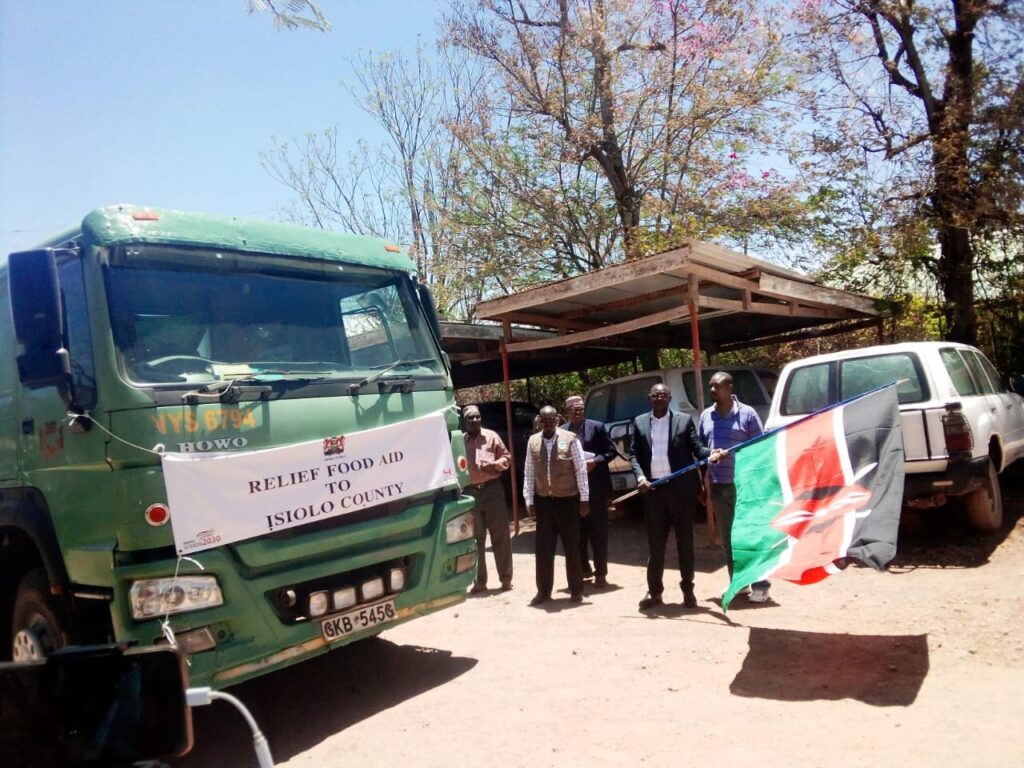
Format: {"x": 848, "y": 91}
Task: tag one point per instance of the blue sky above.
{"x": 169, "y": 102}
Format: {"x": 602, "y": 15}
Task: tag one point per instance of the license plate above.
{"x": 344, "y": 624}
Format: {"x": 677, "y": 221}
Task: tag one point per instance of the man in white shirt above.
{"x": 662, "y": 442}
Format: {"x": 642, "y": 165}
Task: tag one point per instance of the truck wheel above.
{"x": 985, "y": 506}
{"x": 36, "y": 628}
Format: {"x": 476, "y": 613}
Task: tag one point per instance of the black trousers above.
{"x": 558, "y": 517}
{"x": 668, "y": 507}
{"x": 594, "y": 536}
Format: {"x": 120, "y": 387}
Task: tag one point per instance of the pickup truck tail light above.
{"x": 957, "y": 431}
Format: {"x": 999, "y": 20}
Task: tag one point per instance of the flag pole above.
{"x": 762, "y": 436}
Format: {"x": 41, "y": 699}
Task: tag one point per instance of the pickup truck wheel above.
{"x": 985, "y": 506}
{"x": 36, "y": 628}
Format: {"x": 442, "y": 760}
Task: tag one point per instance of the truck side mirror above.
{"x": 38, "y": 319}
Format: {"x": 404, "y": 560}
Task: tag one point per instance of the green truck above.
{"x": 145, "y": 336}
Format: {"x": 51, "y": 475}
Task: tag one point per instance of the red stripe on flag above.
{"x": 812, "y": 455}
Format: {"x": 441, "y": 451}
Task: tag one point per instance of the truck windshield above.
{"x": 192, "y": 316}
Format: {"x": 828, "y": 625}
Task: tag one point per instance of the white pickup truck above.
{"x": 962, "y": 425}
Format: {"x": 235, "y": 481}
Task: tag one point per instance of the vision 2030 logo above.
{"x": 206, "y": 538}
{"x": 334, "y": 445}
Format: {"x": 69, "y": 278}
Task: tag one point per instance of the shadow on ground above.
{"x": 880, "y": 670}
{"x": 303, "y": 705}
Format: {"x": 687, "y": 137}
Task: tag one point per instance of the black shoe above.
{"x": 600, "y": 582}
{"x": 588, "y": 573}
{"x": 577, "y": 598}
{"x": 506, "y": 586}
{"x": 651, "y": 601}
{"x": 689, "y": 599}
{"x": 538, "y": 599}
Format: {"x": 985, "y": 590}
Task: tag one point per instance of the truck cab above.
{"x": 147, "y": 332}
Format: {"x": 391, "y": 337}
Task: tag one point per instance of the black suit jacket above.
{"x": 684, "y": 448}
{"x": 594, "y": 438}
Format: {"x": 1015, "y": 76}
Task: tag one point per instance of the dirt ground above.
{"x": 920, "y": 666}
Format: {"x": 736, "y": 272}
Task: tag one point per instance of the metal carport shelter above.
{"x": 699, "y": 296}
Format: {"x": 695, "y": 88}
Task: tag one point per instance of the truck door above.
{"x": 9, "y": 422}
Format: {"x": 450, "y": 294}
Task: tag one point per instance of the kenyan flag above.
{"x": 817, "y": 492}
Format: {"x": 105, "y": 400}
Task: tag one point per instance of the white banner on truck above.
{"x": 217, "y": 499}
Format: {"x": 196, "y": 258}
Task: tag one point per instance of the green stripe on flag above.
{"x": 756, "y": 545}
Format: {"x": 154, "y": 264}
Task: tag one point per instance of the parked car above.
{"x": 492, "y": 416}
{"x": 962, "y": 424}
{"x": 617, "y": 402}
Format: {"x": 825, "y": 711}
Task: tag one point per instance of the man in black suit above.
{"x": 662, "y": 442}
{"x": 598, "y": 451}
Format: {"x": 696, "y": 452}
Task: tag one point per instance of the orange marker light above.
{"x": 392, "y": 248}
{"x": 146, "y": 216}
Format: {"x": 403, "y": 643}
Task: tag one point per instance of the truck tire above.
{"x": 985, "y": 506}
{"x": 36, "y": 626}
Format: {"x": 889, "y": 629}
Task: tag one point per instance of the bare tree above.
{"x": 662, "y": 100}
{"x": 402, "y": 189}
{"x": 929, "y": 96}
{"x": 292, "y": 14}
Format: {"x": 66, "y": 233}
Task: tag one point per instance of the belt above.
{"x": 480, "y": 486}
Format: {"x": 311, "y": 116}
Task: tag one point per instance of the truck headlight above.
{"x": 459, "y": 528}
{"x": 151, "y": 598}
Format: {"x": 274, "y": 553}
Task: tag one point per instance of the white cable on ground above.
{"x": 198, "y": 697}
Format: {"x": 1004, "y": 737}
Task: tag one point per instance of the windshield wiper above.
{"x": 228, "y": 391}
{"x": 406, "y": 385}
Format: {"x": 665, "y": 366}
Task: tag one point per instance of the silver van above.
{"x": 618, "y": 402}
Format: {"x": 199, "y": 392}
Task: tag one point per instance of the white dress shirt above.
{"x": 659, "y": 447}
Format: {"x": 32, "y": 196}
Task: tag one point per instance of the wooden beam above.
{"x": 809, "y": 293}
{"x": 718, "y": 277}
{"x": 472, "y": 357}
{"x": 470, "y": 332}
{"x": 693, "y": 307}
{"x": 549, "y": 321}
{"x": 779, "y": 310}
{"x": 811, "y": 333}
{"x": 630, "y": 301}
{"x": 577, "y": 286}
{"x": 603, "y": 332}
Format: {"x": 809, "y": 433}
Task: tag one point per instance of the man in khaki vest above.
{"x": 557, "y": 495}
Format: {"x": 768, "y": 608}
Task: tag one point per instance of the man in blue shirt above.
{"x": 724, "y": 425}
